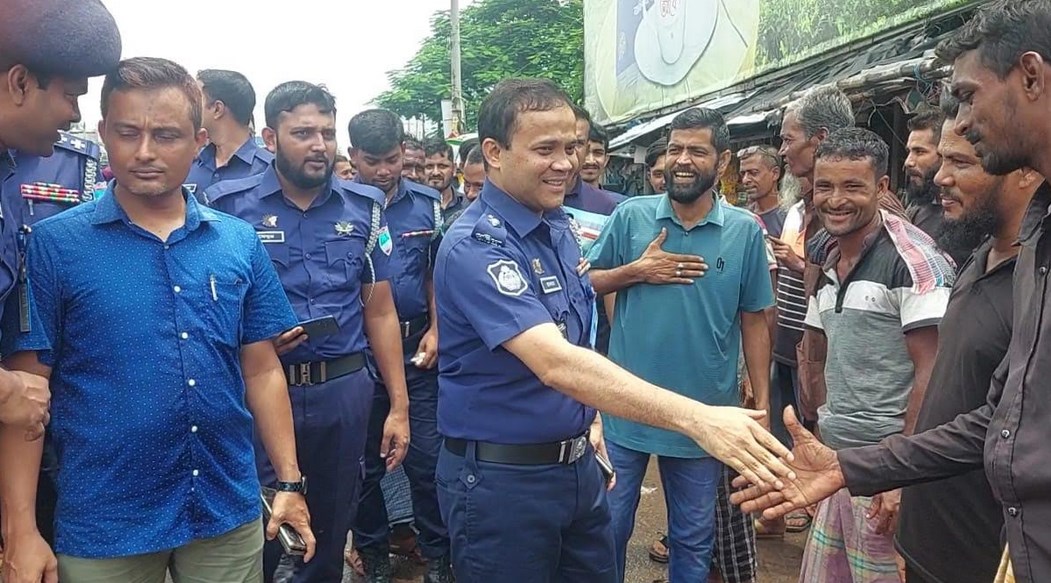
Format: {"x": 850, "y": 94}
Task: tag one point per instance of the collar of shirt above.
{"x": 1038, "y": 212}
{"x": 522, "y": 219}
{"x": 714, "y": 216}
{"x": 246, "y": 153}
{"x": 271, "y": 185}
{"x": 870, "y": 241}
{"x": 108, "y": 210}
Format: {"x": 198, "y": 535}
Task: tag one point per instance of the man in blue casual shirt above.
{"x": 331, "y": 246}
{"x": 519, "y": 485}
{"x": 415, "y": 216}
{"x": 232, "y": 151}
{"x": 702, "y": 322}
{"x": 157, "y": 319}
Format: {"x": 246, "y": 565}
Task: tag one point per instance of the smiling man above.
{"x": 596, "y": 156}
{"x": 698, "y": 360}
{"x": 524, "y": 500}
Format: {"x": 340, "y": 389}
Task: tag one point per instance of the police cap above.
{"x": 66, "y": 38}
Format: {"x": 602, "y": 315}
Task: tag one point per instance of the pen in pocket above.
{"x": 215, "y": 296}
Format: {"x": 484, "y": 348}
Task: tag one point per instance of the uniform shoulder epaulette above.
{"x": 370, "y": 192}
{"x": 490, "y": 229}
{"x": 79, "y": 145}
{"x": 421, "y": 189}
{"x": 228, "y": 187}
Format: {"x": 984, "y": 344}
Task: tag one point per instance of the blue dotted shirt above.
{"x": 149, "y": 422}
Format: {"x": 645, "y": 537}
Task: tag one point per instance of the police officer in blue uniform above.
{"x": 414, "y": 215}
{"x": 233, "y": 151}
{"x": 519, "y": 484}
{"x": 332, "y": 249}
{"x": 52, "y": 184}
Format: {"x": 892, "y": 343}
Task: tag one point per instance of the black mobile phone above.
{"x": 607, "y": 468}
{"x": 320, "y": 327}
{"x": 291, "y": 542}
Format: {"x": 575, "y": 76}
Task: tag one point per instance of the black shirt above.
{"x": 950, "y": 530}
{"x": 1009, "y": 434}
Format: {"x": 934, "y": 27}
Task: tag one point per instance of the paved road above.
{"x": 778, "y": 560}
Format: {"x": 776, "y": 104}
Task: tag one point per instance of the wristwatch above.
{"x": 300, "y": 486}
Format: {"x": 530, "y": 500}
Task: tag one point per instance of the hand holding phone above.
{"x": 291, "y": 542}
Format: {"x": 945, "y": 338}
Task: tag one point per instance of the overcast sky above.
{"x": 349, "y": 45}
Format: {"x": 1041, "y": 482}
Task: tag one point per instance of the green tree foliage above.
{"x": 498, "y": 39}
{"x": 793, "y": 29}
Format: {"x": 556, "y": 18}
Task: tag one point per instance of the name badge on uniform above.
{"x": 550, "y": 285}
{"x": 271, "y": 236}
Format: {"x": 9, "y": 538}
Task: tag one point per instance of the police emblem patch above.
{"x": 507, "y": 277}
{"x": 385, "y": 241}
{"x": 344, "y": 228}
{"x": 270, "y": 221}
{"x": 537, "y": 267}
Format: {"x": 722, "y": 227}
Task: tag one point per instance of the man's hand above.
{"x": 735, "y": 437}
{"x": 817, "y": 476}
{"x": 786, "y": 256}
{"x": 28, "y": 559}
{"x": 427, "y": 353}
{"x": 395, "y": 442}
{"x": 657, "y": 266}
{"x": 289, "y": 341}
{"x": 291, "y": 508}
{"x": 583, "y": 267}
{"x": 25, "y": 403}
{"x": 598, "y": 442}
{"x": 884, "y": 511}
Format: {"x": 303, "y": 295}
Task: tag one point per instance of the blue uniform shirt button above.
{"x": 470, "y": 479}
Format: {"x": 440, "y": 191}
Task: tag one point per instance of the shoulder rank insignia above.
{"x": 270, "y": 221}
{"x": 493, "y": 220}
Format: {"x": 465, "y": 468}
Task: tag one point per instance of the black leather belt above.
{"x": 559, "y": 452}
{"x": 414, "y": 326}
{"x": 307, "y": 374}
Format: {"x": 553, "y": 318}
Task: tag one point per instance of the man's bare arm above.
{"x": 755, "y": 338}
{"x": 922, "y": 344}
{"x": 730, "y": 434}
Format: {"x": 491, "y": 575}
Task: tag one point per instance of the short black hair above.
{"x": 1001, "y": 32}
{"x": 466, "y": 147}
{"x": 342, "y": 158}
{"x": 580, "y": 113}
{"x": 599, "y": 134}
{"x": 435, "y": 146}
{"x": 475, "y": 156}
{"x": 411, "y": 143}
{"x": 498, "y": 114}
{"x": 928, "y": 118}
{"x": 232, "y": 88}
{"x": 656, "y": 150}
{"x": 58, "y": 38}
{"x": 856, "y": 144}
{"x": 291, "y": 94}
{"x": 376, "y": 131}
{"x": 700, "y": 118}
{"x": 949, "y": 105}
{"x": 149, "y": 74}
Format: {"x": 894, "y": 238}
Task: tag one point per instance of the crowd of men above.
{"x": 210, "y": 315}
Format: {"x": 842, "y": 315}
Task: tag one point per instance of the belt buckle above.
{"x": 304, "y": 375}
{"x": 572, "y": 450}
{"x": 324, "y": 371}
{"x": 405, "y": 326}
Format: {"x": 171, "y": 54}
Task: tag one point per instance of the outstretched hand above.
{"x": 817, "y": 476}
